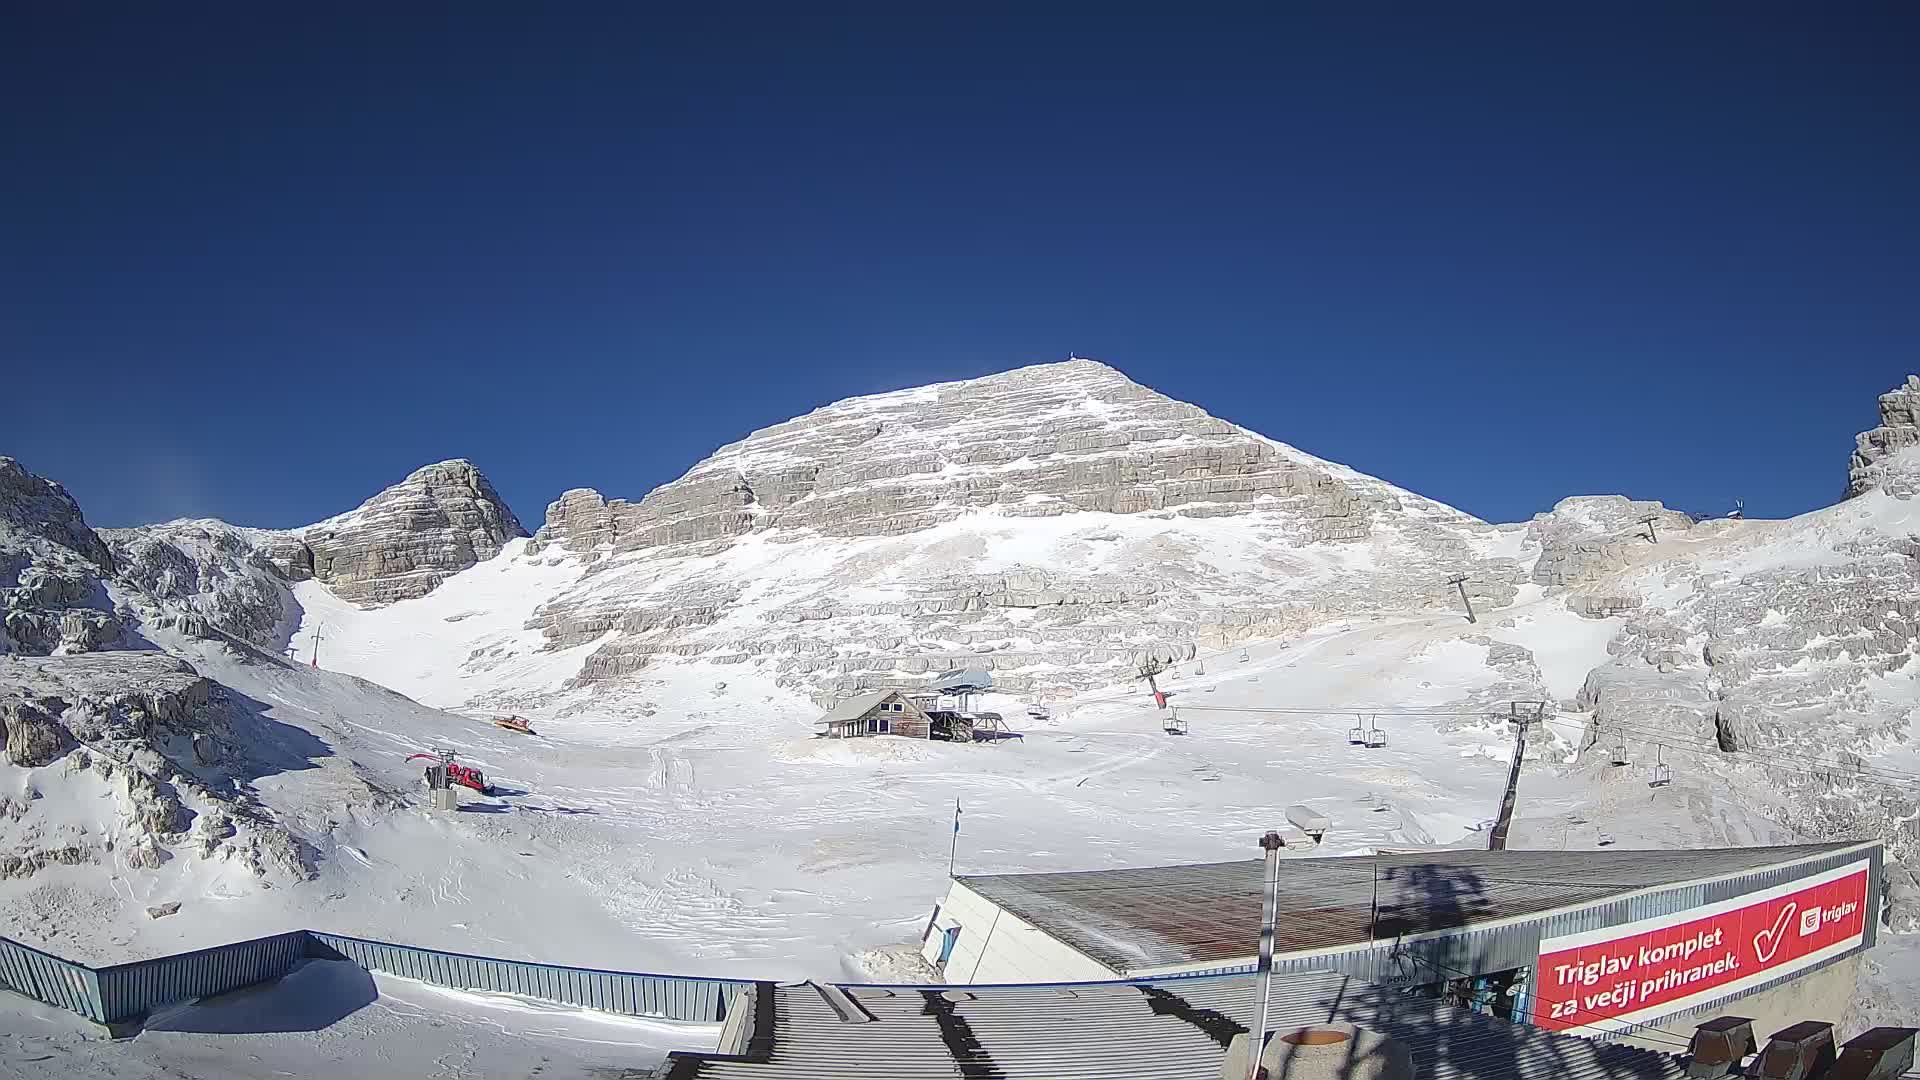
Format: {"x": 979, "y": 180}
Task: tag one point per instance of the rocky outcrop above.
{"x": 52, "y": 598}
{"x": 404, "y": 541}
{"x": 203, "y": 576}
{"x": 31, "y": 735}
{"x": 34, "y": 508}
{"x": 1885, "y": 457}
{"x": 1587, "y": 537}
{"x": 160, "y": 737}
{"x": 51, "y": 565}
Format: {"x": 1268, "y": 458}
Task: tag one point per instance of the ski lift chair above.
{"x": 1662, "y": 775}
{"x": 1243, "y": 656}
{"x": 1357, "y": 735}
{"x": 1176, "y": 724}
{"x": 1376, "y": 737}
{"x": 1620, "y": 752}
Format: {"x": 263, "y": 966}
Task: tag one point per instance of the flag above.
{"x": 956, "y": 817}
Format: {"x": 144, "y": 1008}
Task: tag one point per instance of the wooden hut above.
{"x": 880, "y": 712}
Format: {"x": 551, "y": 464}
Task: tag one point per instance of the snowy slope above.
{"x": 1056, "y": 525}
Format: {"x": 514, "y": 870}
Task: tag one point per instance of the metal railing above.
{"x": 47, "y": 978}
{"x": 127, "y": 991}
{"x": 135, "y": 989}
{"x": 685, "y": 998}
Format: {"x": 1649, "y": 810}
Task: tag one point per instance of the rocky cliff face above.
{"x": 51, "y": 568}
{"x": 206, "y": 576}
{"x": 1036, "y": 442}
{"x": 409, "y": 538}
{"x": 92, "y": 714}
{"x": 1054, "y": 524}
{"x": 1588, "y": 536}
{"x": 1784, "y": 654}
{"x": 1879, "y": 452}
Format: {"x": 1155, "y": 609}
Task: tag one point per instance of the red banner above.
{"x": 1630, "y": 974}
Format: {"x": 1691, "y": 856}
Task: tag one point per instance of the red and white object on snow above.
{"x": 464, "y": 776}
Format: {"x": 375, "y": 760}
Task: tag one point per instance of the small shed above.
{"x": 881, "y": 712}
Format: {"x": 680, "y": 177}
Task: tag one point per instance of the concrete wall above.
{"x": 996, "y": 946}
{"x": 1822, "y": 995}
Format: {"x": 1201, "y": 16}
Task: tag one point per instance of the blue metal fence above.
{"x": 629, "y": 993}
{"x": 47, "y": 978}
{"x": 129, "y": 990}
{"x": 125, "y": 991}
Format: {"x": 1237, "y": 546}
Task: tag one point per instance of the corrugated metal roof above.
{"x": 855, "y": 707}
{"x": 1174, "y": 1029}
{"x": 1154, "y": 917}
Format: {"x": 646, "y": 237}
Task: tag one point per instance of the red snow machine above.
{"x": 465, "y": 776}
{"x": 513, "y": 723}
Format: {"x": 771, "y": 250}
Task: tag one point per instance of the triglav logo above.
{"x": 1809, "y": 922}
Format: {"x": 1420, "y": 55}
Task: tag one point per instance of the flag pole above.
{"x": 954, "y": 848}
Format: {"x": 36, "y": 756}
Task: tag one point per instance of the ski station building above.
{"x": 918, "y": 713}
{"x": 1604, "y": 943}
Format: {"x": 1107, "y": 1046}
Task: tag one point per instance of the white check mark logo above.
{"x": 1767, "y": 942}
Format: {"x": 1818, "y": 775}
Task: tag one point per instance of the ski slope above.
{"x": 718, "y": 837}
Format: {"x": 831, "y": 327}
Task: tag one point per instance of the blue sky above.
{"x": 259, "y": 263}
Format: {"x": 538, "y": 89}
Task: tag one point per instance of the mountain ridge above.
{"x": 674, "y": 677}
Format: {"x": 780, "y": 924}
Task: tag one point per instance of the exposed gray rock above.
{"x": 404, "y": 541}
{"x": 1884, "y": 457}
{"x": 1036, "y": 442}
{"x": 145, "y": 854}
{"x": 26, "y": 864}
{"x": 161, "y": 911}
{"x": 51, "y": 564}
{"x": 41, "y": 509}
{"x": 1588, "y": 536}
{"x": 199, "y": 576}
{"x": 1076, "y": 440}
{"x": 33, "y": 736}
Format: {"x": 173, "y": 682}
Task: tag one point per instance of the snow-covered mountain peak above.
{"x": 1039, "y": 441}
{"x": 1054, "y": 523}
